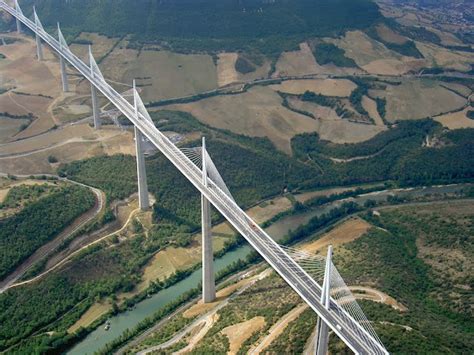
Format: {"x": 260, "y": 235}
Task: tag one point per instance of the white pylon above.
{"x": 322, "y": 328}
{"x": 143, "y": 199}
{"x": 208, "y": 278}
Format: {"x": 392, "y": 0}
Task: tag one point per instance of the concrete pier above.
{"x": 39, "y": 48}
{"x": 62, "y": 63}
{"x": 208, "y": 279}
{"x": 18, "y": 26}
{"x": 95, "y": 108}
{"x": 143, "y": 199}
{"x": 323, "y": 329}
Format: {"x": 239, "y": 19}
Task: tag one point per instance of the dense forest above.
{"x": 201, "y": 22}
{"x": 39, "y": 222}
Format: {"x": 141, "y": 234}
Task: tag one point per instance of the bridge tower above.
{"x": 143, "y": 199}
{"x": 95, "y": 103}
{"x": 208, "y": 279}
{"x": 322, "y": 327}
{"x": 39, "y": 46}
{"x": 18, "y": 22}
{"x": 62, "y": 63}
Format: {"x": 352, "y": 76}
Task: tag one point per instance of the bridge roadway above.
{"x": 348, "y": 329}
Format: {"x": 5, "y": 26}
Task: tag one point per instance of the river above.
{"x": 129, "y": 319}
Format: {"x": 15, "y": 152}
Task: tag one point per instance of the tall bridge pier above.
{"x": 95, "y": 103}
{"x": 63, "y": 74}
{"x": 143, "y": 200}
{"x": 18, "y": 22}
{"x": 208, "y": 279}
{"x": 39, "y": 46}
{"x": 322, "y": 328}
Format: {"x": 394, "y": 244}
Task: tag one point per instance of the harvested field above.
{"x": 373, "y": 56}
{"x": 415, "y": 99}
{"x": 162, "y": 74}
{"x": 456, "y": 120}
{"x": 343, "y": 233}
{"x": 226, "y": 73}
{"x": 371, "y": 107}
{"x": 299, "y": 62}
{"x": 326, "y": 87}
{"x": 240, "y": 332}
{"x": 256, "y": 113}
{"x": 344, "y": 131}
{"x": 441, "y": 57}
{"x": 318, "y": 111}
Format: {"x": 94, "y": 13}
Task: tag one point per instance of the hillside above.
{"x": 208, "y": 19}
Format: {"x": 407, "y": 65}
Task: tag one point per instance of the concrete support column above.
{"x": 208, "y": 279}
{"x": 39, "y": 48}
{"x": 143, "y": 199}
{"x": 63, "y": 74}
{"x": 95, "y": 108}
{"x": 322, "y": 327}
{"x": 18, "y": 26}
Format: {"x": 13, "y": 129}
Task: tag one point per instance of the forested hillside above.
{"x": 200, "y": 20}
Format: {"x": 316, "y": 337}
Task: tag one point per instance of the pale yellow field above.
{"x": 344, "y": 131}
{"x": 327, "y": 87}
{"x": 455, "y": 120}
{"x": 94, "y": 312}
{"x": 415, "y": 99}
{"x": 299, "y": 62}
{"x": 344, "y": 233}
{"x": 226, "y": 73}
{"x": 371, "y": 107}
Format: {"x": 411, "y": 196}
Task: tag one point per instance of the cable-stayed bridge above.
{"x": 314, "y": 278}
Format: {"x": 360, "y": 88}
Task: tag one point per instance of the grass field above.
{"x": 161, "y": 74}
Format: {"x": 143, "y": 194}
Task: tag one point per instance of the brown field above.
{"x": 371, "y": 107}
{"x": 9, "y": 128}
{"x": 305, "y": 196}
{"x": 456, "y": 120}
{"x": 240, "y": 332}
{"x": 447, "y": 39}
{"x": 300, "y": 62}
{"x": 388, "y": 35}
{"x": 345, "y": 232}
{"x": 165, "y": 74}
{"x": 458, "y": 88}
{"x": 327, "y": 87}
{"x": 256, "y": 113}
{"x": 415, "y": 99}
{"x": 226, "y": 73}
{"x": 373, "y": 56}
{"x": 442, "y": 57}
